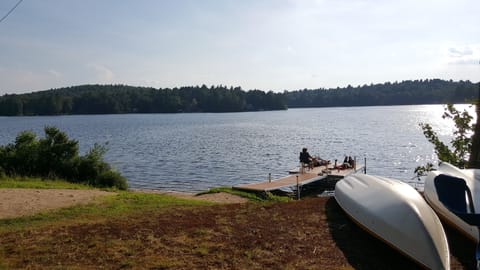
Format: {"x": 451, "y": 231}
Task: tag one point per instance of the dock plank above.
{"x": 309, "y": 176}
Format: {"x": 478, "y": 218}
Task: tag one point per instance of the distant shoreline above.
{"x": 293, "y": 108}
{"x": 121, "y": 99}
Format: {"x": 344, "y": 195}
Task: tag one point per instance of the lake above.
{"x": 194, "y": 152}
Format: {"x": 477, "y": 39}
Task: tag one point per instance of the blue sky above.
{"x": 256, "y": 44}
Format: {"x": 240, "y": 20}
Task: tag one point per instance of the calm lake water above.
{"x": 194, "y": 152}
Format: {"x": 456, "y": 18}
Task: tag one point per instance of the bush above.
{"x": 57, "y": 156}
{"x": 111, "y": 178}
{"x": 56, "y": 152}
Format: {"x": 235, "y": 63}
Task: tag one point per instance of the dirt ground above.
{"x": 313, "y": 233}
{"x": 308, "y": 234}
{"x": 212, "y": 197}
{"x": 24, "y": 202}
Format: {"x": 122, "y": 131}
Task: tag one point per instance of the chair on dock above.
{"x": 304, "y": 166}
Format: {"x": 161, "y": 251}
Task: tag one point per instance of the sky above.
{"x": 272, "y": 45}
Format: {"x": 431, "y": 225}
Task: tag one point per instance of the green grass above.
{"x": 122, "y": 203}
{"x": 29, "y": 182}
{"x": 119, "y": 205}
{"x": 254, "y": 197}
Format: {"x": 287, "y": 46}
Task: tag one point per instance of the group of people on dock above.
{"x": 348, "y": 162}
{"x": 310, "y": 161}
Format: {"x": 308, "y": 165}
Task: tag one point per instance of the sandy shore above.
{"x": 212, "y": 197}
{"x": 24, "y": 202}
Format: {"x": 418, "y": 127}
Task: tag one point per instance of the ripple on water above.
{"x": 193, "y": 152}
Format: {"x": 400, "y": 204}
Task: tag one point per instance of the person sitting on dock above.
{"x": 322, "y": 162}
{"x": 351, "y": 161}
{"x": 346, "y": 163}
{"x": 305, "y": 158}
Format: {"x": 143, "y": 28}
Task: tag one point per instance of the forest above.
{"x": 115, "y": 99}
{"x": 409, "y": 92}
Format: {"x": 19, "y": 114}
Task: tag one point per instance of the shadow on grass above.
{"x": 462, "y": 250}
{"x": 362, "y": 250}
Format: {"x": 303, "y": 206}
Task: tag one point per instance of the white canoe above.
{"x": 455, "y": 195}
{"x": 396, "y": 213}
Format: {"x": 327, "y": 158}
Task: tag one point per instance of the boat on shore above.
{"x": 396, "y": 213}
{"x": 455, "y": 195}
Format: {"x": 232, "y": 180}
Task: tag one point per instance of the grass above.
{"x": 150, "y": 231}
{"x": 108, "y": 207}
{"x": 253, "y": 197}
{"x": 124, "y": 203}
{"x": 38, "y": 183}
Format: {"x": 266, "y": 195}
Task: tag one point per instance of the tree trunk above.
{"x": 474, "y": 161}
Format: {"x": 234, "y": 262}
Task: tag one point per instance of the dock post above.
{"x": 298, "y": 189}
{"x": 365, "y": 167}
{"x": 269, "y": 177}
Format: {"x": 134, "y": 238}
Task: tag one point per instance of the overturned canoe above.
{"x": 394, "y": 212}
{"x": 455, "y": 195}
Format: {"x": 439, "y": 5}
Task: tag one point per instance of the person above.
{"x": 322, "y": 162}
{"x": 351, "y": 161}
{"x": 346, "y": 164}
{"x": 306, "y": 158}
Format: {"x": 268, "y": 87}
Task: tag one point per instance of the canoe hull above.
{"x": 394, "y": 212}
{"x": 472, "y": 179}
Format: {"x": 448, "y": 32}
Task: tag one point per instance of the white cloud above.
{"x": 465, "y": 62}
{"x": 464, "y": 55}
{"x": 55, "y": 73}
{"x": 291, "y": 50}
{"x": 103, "y": 74}
{"x": 460, "y": 52}
{"x": 270, "y": 44}
{"x": 25, "y": 80}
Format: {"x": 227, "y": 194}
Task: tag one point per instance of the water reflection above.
{"x": 193, "y": 152}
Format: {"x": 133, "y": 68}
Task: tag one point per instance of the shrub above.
{"x": 56, "y": 152}
{"x": 110, "y": 178}
{"x": 57, "y": 156}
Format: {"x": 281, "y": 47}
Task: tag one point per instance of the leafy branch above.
{"x": 461, "y": 142}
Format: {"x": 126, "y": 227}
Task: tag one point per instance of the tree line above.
{"x": 410, "y": 92}
{"x": 113, "y": 99}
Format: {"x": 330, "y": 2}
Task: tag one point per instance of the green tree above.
{"x": 20, "y": 158}
{"x": 474, "y": 161}
{"x": 57, "y": 152}
{"x": 26, "y": 154}
{"x": 11, "y": 105}
{"x": 461, "y": 141}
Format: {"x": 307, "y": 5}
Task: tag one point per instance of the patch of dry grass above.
{"x": 309, "y": 234}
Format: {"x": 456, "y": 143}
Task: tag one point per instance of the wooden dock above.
{"x": 307, "y": 177}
